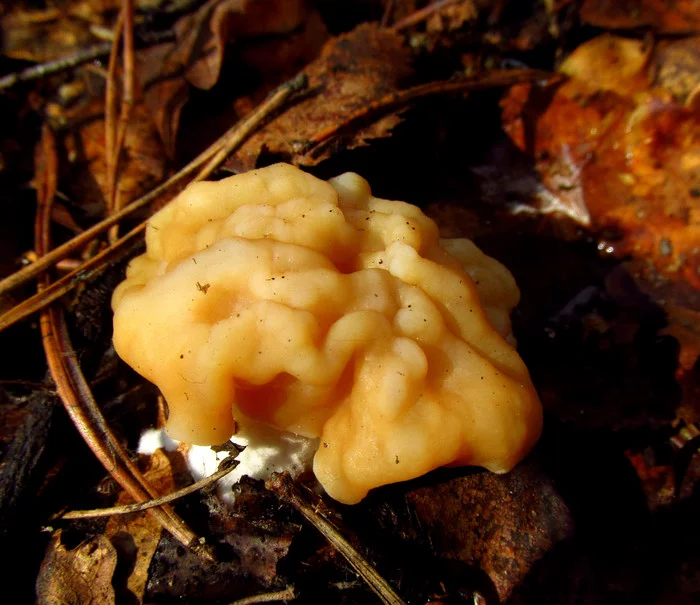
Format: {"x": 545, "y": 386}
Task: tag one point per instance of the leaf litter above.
{"x": 586, "y": 188}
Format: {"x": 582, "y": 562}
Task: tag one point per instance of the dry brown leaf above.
{"x": 500, "y": 524}
{"x": 268, "y": 61}
{"x": 143, "y": 162}
{"x": 203, "y": 37}
{"x": 452, "y": 17}
{"x": 79, "y": 575}
{"x": 677, "y": 66}
{"x": 136, "y": 536}
{"x": 353, "y": 70}
{"x": 279, "y": 58}
{"x": 635, "y": 156}
{"x": 663, "y": 16}
{"x": 45, "y": 35}
{"x": 637, "y": 166}
{"x": 195, "y": 58}
{"x": 166, "y": 100}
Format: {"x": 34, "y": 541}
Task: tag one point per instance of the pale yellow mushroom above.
{"x": 274, "y": 297}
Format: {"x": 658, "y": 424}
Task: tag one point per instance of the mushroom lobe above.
{"x": 276, "y": 298}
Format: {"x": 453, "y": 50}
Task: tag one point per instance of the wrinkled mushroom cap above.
{"x": 274, "y": 297}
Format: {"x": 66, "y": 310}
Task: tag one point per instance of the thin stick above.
{"x": 388, "y": 13}
{"x": 422, "y": 14}
{"x": 284, "y": 487}
{"x": 398, "y": 99}
{"x": 229, "y": 139}
{"x": 141, "y": 506}
{"x": 114, "y": 202}
{"x": 86, "y": 416}
{"x": 68, "y": 377}
{"x": 47, "y": 185}
{"x": 89, "y": 270}
{"x": 53, "y": 67}
{"x": 49, "y": 68}
{"x": 111, "y": 112}
{"x": 80, "y": 241}
{"x": 273, "y": 103}
{"x": 269, "y": 597}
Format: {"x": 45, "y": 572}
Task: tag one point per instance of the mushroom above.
{"x": 275, "y": 298}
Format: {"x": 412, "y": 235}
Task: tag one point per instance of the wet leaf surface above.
{"x": 625, "y": 164}
{"x": 677, "y": 66}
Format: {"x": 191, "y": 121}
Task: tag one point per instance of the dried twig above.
{"x": 284, "y": 487}
{"x": 269, "y": 597}
{"x": 388, "y": 13}
{"x": 116, "y": 129}
{"x": 91, "y": 269}
{"x": 422, "y": 14}
{"x": 98, "y": 51}
{"x": 236, "y": 138}
{"x": 229, "y": 142}
{"x": 111, "y": 120}
{"x": 141, "y": 506}
{"x": 401, "y": 98}
{"x": 70, "y": 382}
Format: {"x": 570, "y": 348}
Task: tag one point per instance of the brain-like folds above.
{"x": 274, "y": 297}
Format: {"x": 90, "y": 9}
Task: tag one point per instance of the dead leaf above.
{"x": 638, "y": 167}
{"x": 645, "y": 182}
{"x": 685, "y": 328}
{"x": 79, "y": 575}
{"x": 203, "y": 37}
{"x": 635, "y": 152}
{"x": 353, "y": 70}
{"x": 136, "y": 536}
{"x": 656, "y": 480}
{"x": 44, "y": 35}
{"x": 500, "y": 524}
{"x": 195, "y": 58}
{"x": 268, "y": 61}
{"x": 279, "y": 58}
{"x": 143, "y": 162}
{"x": 663, "y": 16}
{"x": 610, "y": 63}
{"x": 165, "y": 96}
